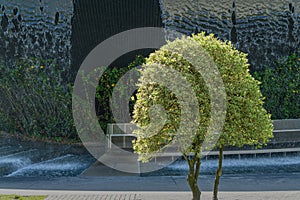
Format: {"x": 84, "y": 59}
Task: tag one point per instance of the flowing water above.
{"x": 37, "y": 159}
{"x": 245, "y": 166}
{"x": 27, "y": 159}
{"x": 67, "y": 165}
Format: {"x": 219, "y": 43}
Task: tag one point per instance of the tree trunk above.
{"x": 218, "y": 174}
{"x": 194, "y": 168}
{"x": 194, "y": 187}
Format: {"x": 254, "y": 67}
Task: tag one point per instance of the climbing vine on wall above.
{"x": 280, "y": 85}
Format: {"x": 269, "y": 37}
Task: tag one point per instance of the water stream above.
{"x": 20, "y": 158}
{"x": 67, "y": 165}
{"x": 27, "y": 159}
{"x": 245, "y": 166}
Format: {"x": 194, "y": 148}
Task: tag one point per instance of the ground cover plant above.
{"x": 36, "y": 100}
{"x": 281, "y": 87}
{"x": 107, "y": 84}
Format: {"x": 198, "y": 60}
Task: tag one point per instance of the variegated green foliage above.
{"x": 247, "y": 122}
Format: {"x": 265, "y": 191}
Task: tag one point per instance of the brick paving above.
{"x": 95, "y": 197}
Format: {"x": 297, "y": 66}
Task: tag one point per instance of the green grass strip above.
{"x": 14, "y": 197}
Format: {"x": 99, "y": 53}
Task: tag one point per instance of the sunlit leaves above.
{"x": 247, "y": 122}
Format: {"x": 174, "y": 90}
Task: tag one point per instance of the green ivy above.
{"x": 105, "y": 88}
{"x": 36, "y": 100}
{"x": 280, "y": 85}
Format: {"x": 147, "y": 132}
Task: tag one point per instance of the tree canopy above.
{"x": 247, "y": 122}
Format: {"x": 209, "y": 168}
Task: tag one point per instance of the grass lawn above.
{"x": 13, "y": 197}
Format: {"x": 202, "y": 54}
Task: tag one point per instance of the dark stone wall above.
{"x": 35, "y": 28}
{"x": 96, "y": 20}
{"x": 266, "y": 30}
{"x": 67, "y": 30}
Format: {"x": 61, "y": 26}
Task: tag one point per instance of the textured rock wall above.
{"x": 68, "y": 30}
{"x": 35, "y": 28}
{"x": 265, "y": 29}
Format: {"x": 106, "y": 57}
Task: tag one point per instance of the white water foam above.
{"x": 60, "y": 165}
{"x": 246, "y": 163}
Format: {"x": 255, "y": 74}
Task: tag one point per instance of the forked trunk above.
{"x": 218, "y": 175}
{"x": 194, "y": 168}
